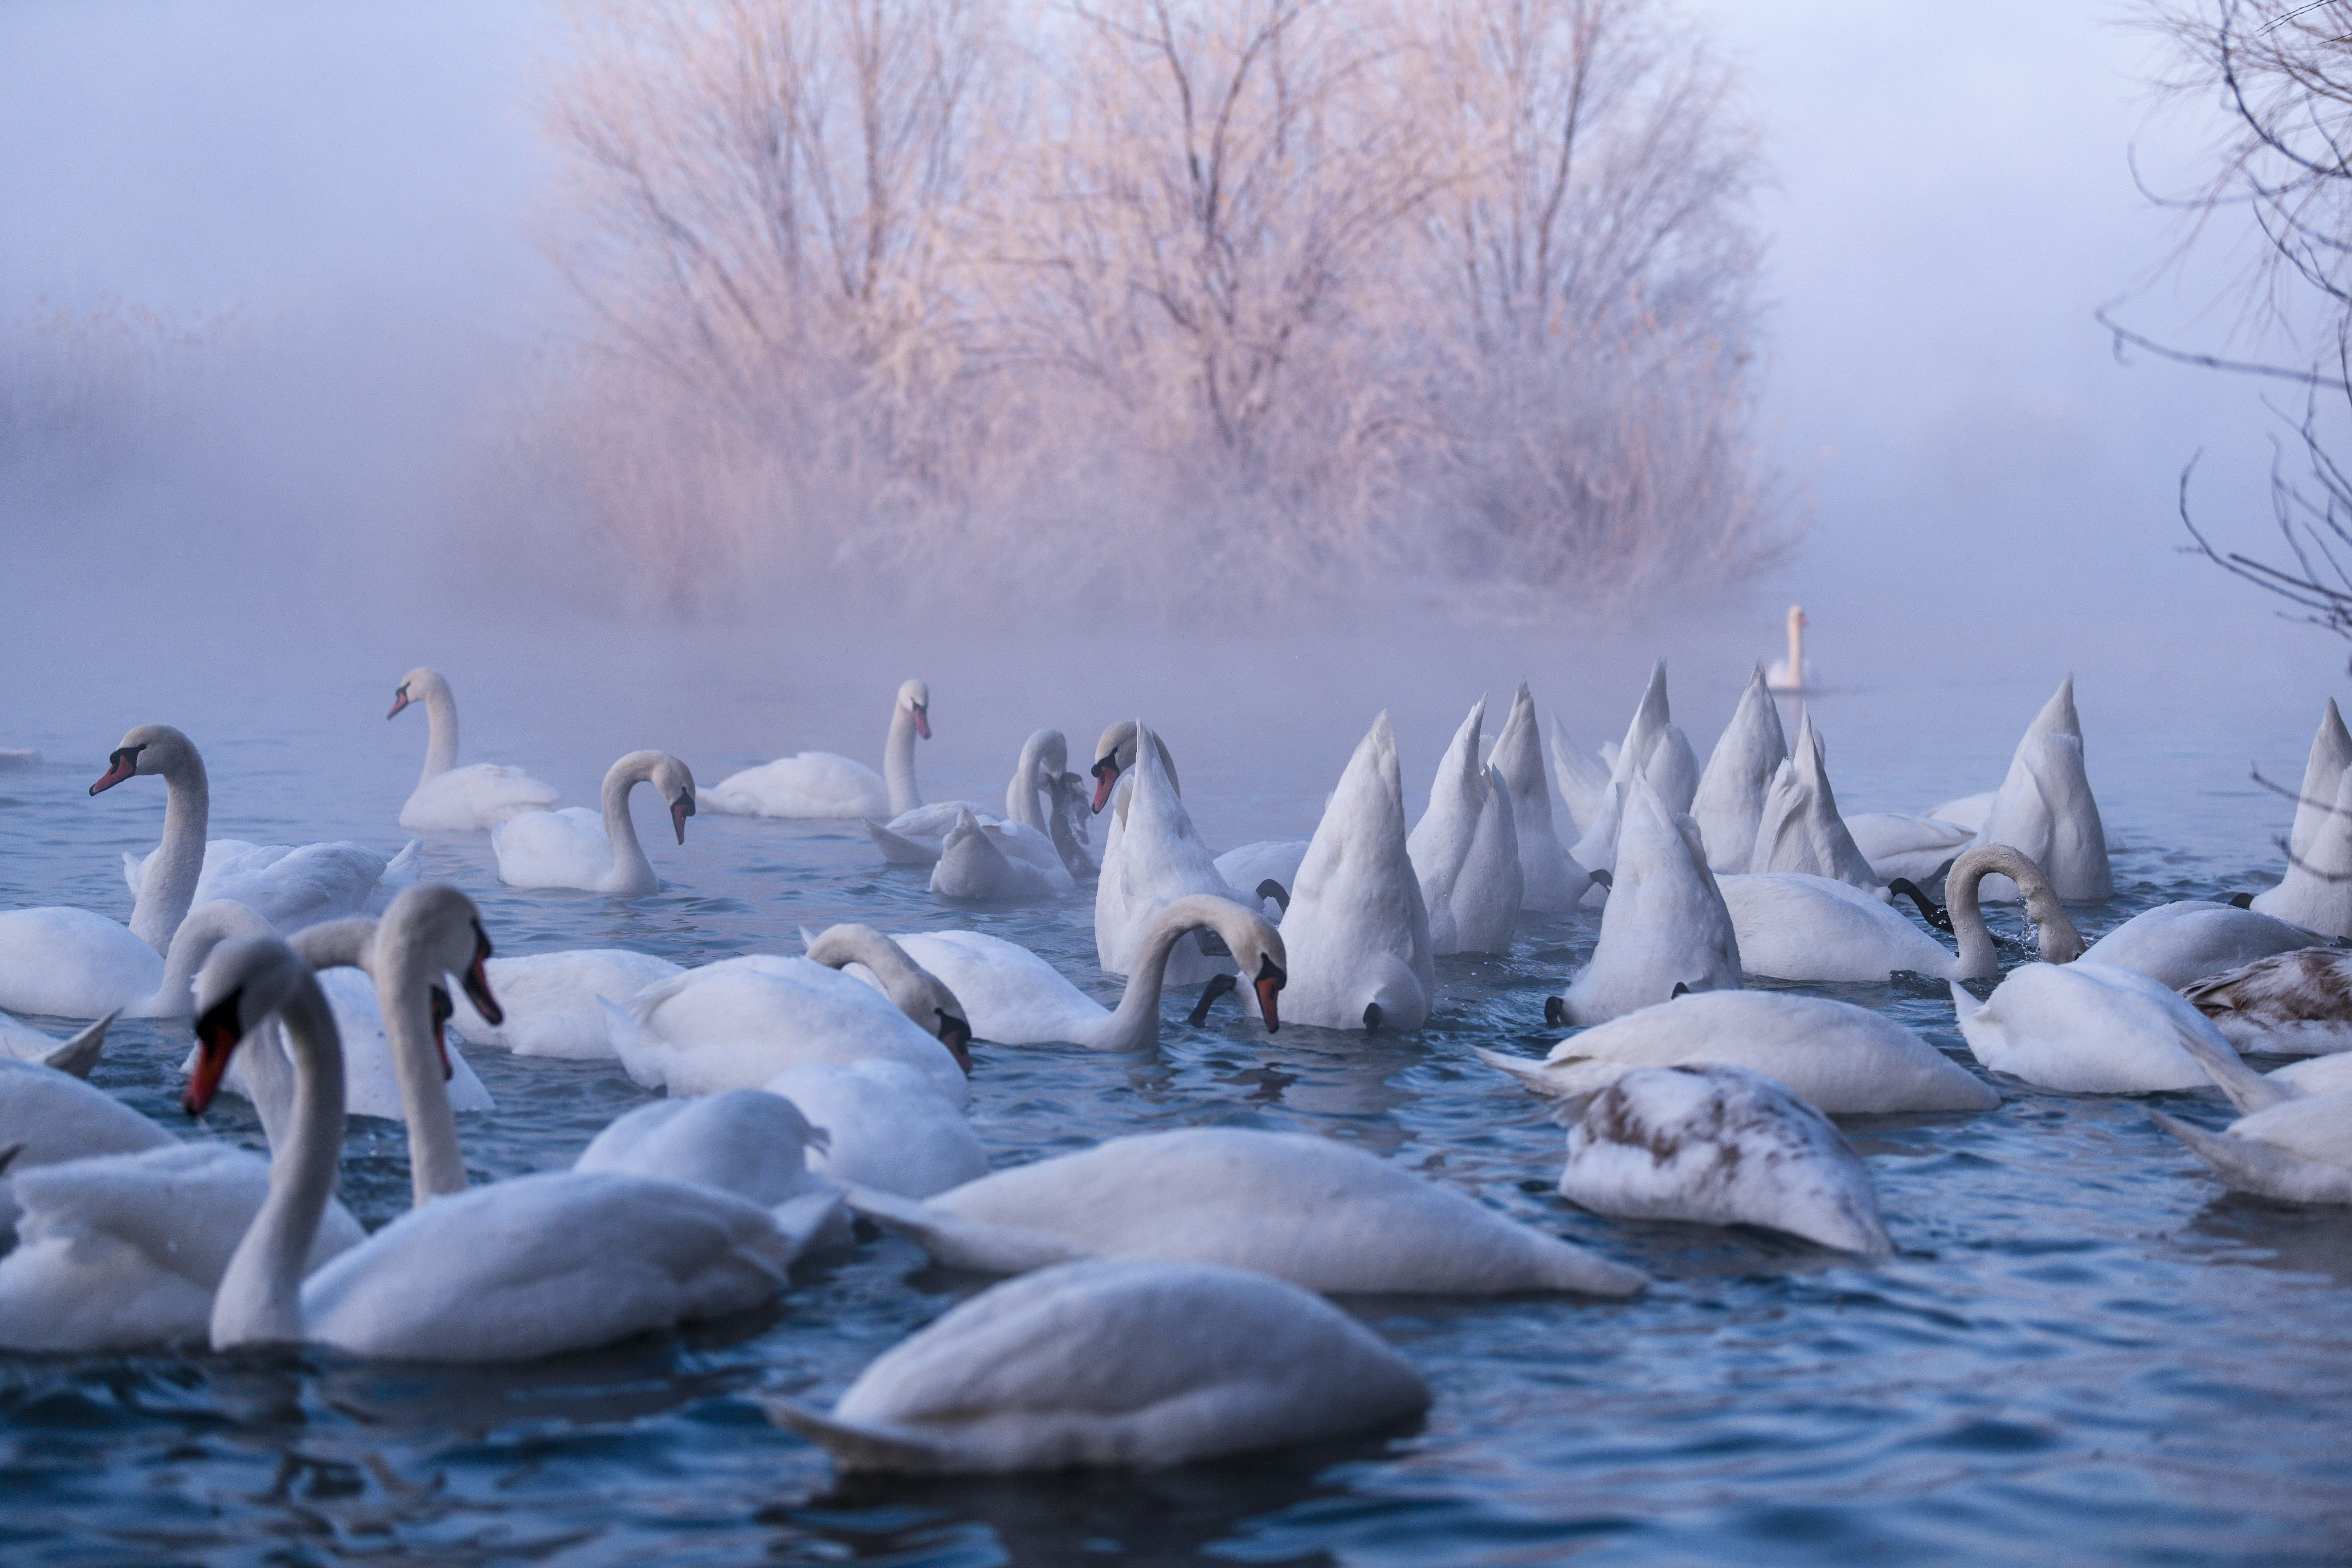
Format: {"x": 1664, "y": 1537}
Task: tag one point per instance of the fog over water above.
{"x": 344, "y": 209}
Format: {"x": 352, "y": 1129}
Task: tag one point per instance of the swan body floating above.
{"x": 122, "y": 1252}
{"x": 1016, "y": 998}
{"x": 887, "y": 1127}
{"x": 1006, "y": 861}
{"x": 1665, "y": 926}
{"x": 1154, "y": 856}
{"x": 74, "y": 1056}
{"x": 1583, "y": 780}
{"x": 1729, "y": 803}
{"x": 1131, "y": 1364}
{"x": 1793, "y": 671}
{"x": 1654, "y": 749}
{"x": 2317, "y": 890}
{"x": 1301, "y": 1208}
{"x": 1248, "y": 868}
{"x": 2086, "y": 1029}
{"x": 1551, "y": 878}
{"x": 1801, "y": 829}
{"x": 292, "y": 886}
{"x": 1899, "y": 844}
{"x": 738, "y": 1023}
{"x": 2296, "y": 1003}
{"x": 742, "y": 1141}
{"x": 73, "y": 963}
{"x": 2292, "y": 1140}
{"x": 48, "y": 1117}
{"x": 2183, "y": 942}
{"x": 916, "y": 838}
{"x": 1465, "y": 850}
{"x": 1795, "y": 927}
{"x": 1968, "y": 811}
{"x": 537, "y": 1265}
{"x": 576, "y": 847}
{"x": 2045, "y": 809}
{"x": 550, "y": 1000}
{"x": 1841, "y": 1060}
{"x": 1720, "y": 1145}
{"x": 1357, "y": 932}
{"x": 824, "y": 784}
{"x": 448, "y": 798}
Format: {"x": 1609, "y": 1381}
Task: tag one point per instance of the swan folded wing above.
{"x": 808, "y": 784}
{"x": 290, "y": 886}
{"x": 67, "y": 962}
{"x": 2251, "y": 1165}
{"x": 1010, "y": 995}
{"x": 544, "y": 1263}
{"x": 478, "y": 795}
{"x": 984, "y": 1245}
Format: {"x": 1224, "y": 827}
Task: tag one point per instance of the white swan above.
{"x": 551, "y": 1000}
{"x": 1145, "y": 1364}
{"x": 2183, "y": 942}
{"x": 73, "y": 963}
{"x": 1357, "y": 932}
{"x": 1465, "y": 851}
{"x": 1729, "y": 803}
{"x": 1720, "y": 1145}
{"x": 448, "y": 798}
{"x": 1305, "y": 1209}
{"x": 1801, "y": 829}
{"x": 2292, "y": 1140}
{"x": 2296, "y": 1003}
{"x": 916, "y": 838}
{"x": 1016, "y": 998}
{"x": 1115, "y": 756}
{"x": 887, "y": 1126}
{"x": 370, "y": 972}
{"x": 738, "y": 1023}
{"x": 74, "y": 1056}
{"x": 930, "y": 1003}
{"x": 1793, "y": 671}
{"x": 1153, "y": 857}
{"x": 824, "y": 784}
{"x": 1007, "y": 860}
{"x": 49, "y": 1116}
{"x": 1654, "y": 748}
{"x": 1664, "y": 925}
{"x": 2045, "y": 809}
{"x": 2086, "y": 1029}
{"x": 576, "y": 848}
{"x": 1550, "y": 877}
{"x": 1899, "y": 844}
{"x": 1248, "y": 868}
{"x": 2317, "y": 890}
{"x": 2323, "y": 777}
{"x": 1795, "y": 927}
{"x": 293, "y": 884}
{"x": 744, "y": 1141}
{"x": 532, "y": 1266}
{"x": 1583, "y": 780}
{"x": 1841, "y": 1060}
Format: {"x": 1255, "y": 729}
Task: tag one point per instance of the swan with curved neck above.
{"x": 536, "y": 1266}
{"x": 574, "y": 849}
{"x": 449, "y": 798}
{"x": 825, "y": 784}
{"x": 919, "y": 994}
{"x": 1016, "y": 998}
{"x": 170, "y": 885}
{"x": 1114, "y": 754}
{"x": 1023, "y": 831}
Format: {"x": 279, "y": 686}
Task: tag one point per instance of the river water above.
{"x": 2083, "y": 1349}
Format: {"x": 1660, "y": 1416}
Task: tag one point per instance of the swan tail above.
{"x": 78, "y": 1055}
{"x": 2258, "y": 1168}
{"x": 1566, "y": 1087}
{"x": 2247, "y": 1089}
{"x": 404, "y": 869}
{"x": 900, "y": 850}
{"x": 858, "y": 1448}
{"x": 962, "y": 1243}
{"x": 809, "y": 1222}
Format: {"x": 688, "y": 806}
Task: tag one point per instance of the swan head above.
{"x": 149, "y": 749}
{"x": 1114, "y": 753}
{"x": 675, "y": 781}
{"x": 915, "y": 697}
{"x": 1796, "y": 617}
{"x": 244, "y": 981}
{"x": 443, "y": 927}
{"x": 414, "y": 688}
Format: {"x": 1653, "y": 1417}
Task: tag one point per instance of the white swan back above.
{"x": 1729, "y": 803}
{"x": 1664, "y": 924}
{"x": 1357, "y": 930}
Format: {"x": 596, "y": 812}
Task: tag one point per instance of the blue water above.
{"x": 2083, "y": 1349}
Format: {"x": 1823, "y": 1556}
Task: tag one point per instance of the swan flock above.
{"x": 1165, "y": 1292}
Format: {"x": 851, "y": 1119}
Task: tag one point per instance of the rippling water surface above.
{"x": 2083, "y": 1349}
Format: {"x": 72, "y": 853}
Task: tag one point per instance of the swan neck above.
{"x": 169, "y": 885}
{"x": 899, "y": 761}
{"x": 1978, "y": 959}
{"x": 260, "y": 1296}
{"x": 404, "y": 995}
{"x": 629, "y": 863}
{"x": 441, "y": 744}
{"x": 1020, "y": 794}
{"x": 1135, "y": 1022}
